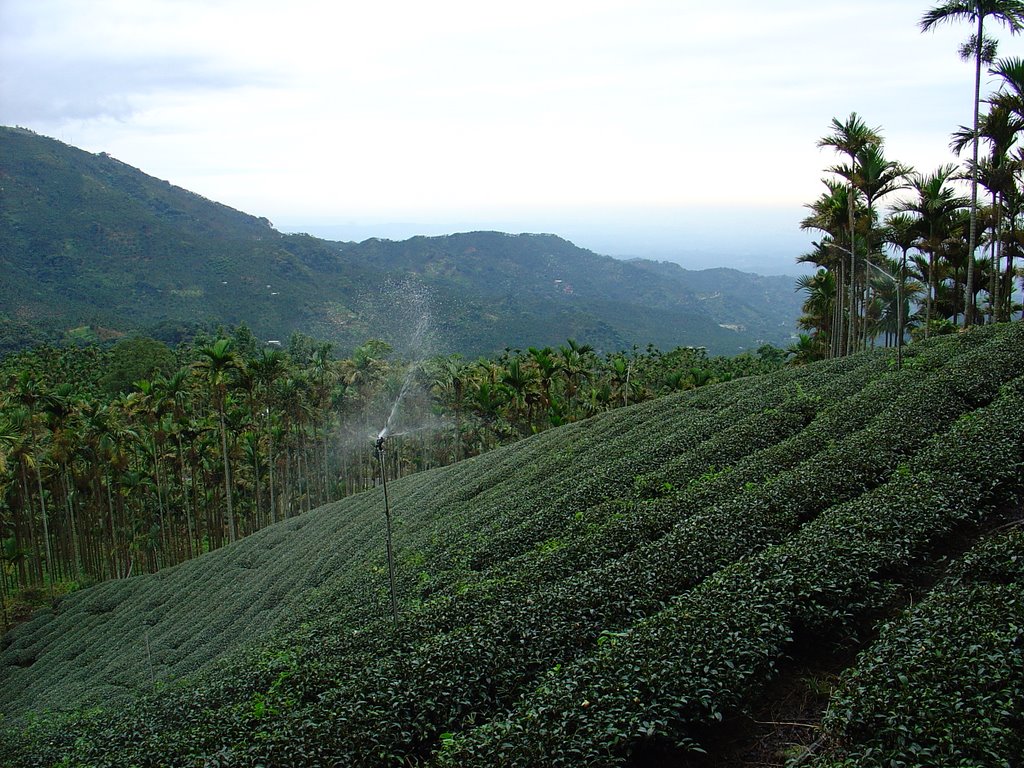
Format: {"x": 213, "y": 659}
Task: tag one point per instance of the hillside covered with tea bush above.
{"x": 821, "y": 564}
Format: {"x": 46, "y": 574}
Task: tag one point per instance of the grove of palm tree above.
{"x": 937, "y": 258}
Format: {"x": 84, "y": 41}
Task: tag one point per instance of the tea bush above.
{"x": 569, "y": 599}
{"x": 713, "y": 647}
{"x": 944, "y": 683}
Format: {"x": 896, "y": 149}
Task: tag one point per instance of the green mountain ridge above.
{"x": 624, "y": 590}
{"x": 88, "y": 240}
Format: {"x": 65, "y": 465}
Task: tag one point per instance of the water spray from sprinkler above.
{"x": 379, "y": 446}
{"x": 414, "y": 311}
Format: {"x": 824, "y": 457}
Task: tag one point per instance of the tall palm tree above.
{"x": 1010, "y": 96}
{"x": 935, "y": 205}
{"x": 520, "y": 380}
{"x": 818, "y": 314}
{"x": 884, "y": 310}
{"x": 620, "y": 373}
{"x": 877, "y": 178}
{"x": 267, "y": 369}
{"x": 548, "y": 365}
{"x": 828, "y": 213}
{"x": 219, "y": 364}
{"x": 901, "y": 231}
{"x": 108, "y": 439}
{"x": 15, "y": 448}
{"x": 450, "y": 385}
{"x": 1011, "y": 14}
{"x": 176, "y": 396}
{"x": 9, "y": 437}
{"x": 851, "y": 138}
{"x": 31, "y": 394}
{"x": 1014, "y": 245}
{"x": 1000, "y": 128}
{"x": 576, "y": 364}
{"x": 323, "y": 376}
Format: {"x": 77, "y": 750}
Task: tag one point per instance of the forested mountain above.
{"x": 90, "y": 246}
{"x": 686, "y": 581}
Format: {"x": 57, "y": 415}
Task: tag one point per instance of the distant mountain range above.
{"x": 91, "y": 247}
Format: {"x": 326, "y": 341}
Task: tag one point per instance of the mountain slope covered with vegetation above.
{"x": 631, "y": 589}
{"x": 90, "y": 246}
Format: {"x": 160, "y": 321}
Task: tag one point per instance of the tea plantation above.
{"x": 628, "y": 590}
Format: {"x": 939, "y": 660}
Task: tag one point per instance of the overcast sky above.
{"x": 668, "y": 128}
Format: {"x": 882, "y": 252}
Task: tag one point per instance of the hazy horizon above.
{"x": 692, "y": 237}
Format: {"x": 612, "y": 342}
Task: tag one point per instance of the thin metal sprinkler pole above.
{"x": 387, "y": 518}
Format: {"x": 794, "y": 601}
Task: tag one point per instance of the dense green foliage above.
{"x": 92, "y": 249}
{"x": 916, "y": 267}
{"x": 945, "y": 681}
{"x": 599, "y": 593}
{"x": 129, "y": 459}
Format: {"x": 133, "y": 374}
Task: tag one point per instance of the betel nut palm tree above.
{"x": 827, "y": 215}
{"x": 877, "y": 177}
{"x": 902, "y": 231}
{"x": 219, "y": 363}
{"x": 1010, "y": 98}
{"x": 1000, "y": 129}
{"x": 935, "y": 204}
{"x": 819, "y": 306}
{"x": 1011, "y": 14}
{"x": 851, "y": 138}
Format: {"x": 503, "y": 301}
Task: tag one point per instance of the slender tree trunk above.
{"x": 114, "y": 569}
{"x": 4, "y": 592}
{"x": 850, "y": 340}
{"x": 997, "y": 226}
{"x": 458, "y": 429}
{"x": 160, "y": 559}
{"x": 956, "y": 293}
{"x": 973, "y": 230}
{"x": 194, "y": 491}
{"x": 1009, "y": 271}
{"x": 836, "y": 342}
{"x": 301, "y": 481}
{"x": 21, "y": 533}
{"x": 186, "y": 498}
{"x": 36, "y": 565}
{"x": 230, "y": 512}
{"x": 270, "y": 470}
{"x": 287, "y": 485}
{"x": 76, "y": 545}
{"x": 326, "y": 492}
{"x": 932, "y": 288}
{"x": 899, "y": 310}
{"x": 46, "y": 529}
{"x": 259, "y": 519}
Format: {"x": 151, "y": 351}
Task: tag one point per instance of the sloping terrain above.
{"x": 90, "y": 245}
{"x": 618, "y": 591}
{"x": 543, "y": 280}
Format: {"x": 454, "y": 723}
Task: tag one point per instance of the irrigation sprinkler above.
{"x": 387, "y": 517}
{"x": 899, "y": 305}
{"x": 899, "y": 296}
